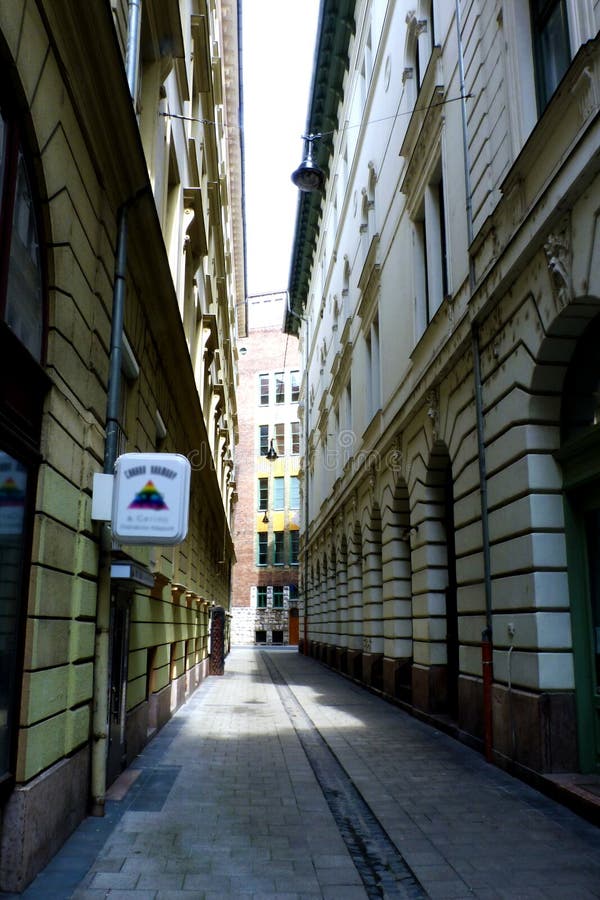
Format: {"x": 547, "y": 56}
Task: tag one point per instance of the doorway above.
{"x": 118, "y": 653}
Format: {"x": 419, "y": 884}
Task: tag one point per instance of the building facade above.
{"x": 266, "y": 528}
{"x": 448, "y": 282}
{"x": 121, "y": 267}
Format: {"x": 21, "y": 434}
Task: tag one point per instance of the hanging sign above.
{"x": 151, "y": 498}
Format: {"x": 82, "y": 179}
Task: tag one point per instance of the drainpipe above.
{"x": 486, "y": 637}
{"x": 100, "y": 714}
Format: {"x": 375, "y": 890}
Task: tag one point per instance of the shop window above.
{"x": 23, "y": 384}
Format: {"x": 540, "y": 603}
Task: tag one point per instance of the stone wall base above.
{"x": 39, "y": 817}
{"x": 535, "y": 730}
{"x": 149, "y": 717}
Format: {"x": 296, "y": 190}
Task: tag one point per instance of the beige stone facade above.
{"x": 99, "y": 194}
{"x": 451, "y": 300}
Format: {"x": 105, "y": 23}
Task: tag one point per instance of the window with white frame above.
{"x": 279, "y": 387}
{"x": 280, "y": 438}
{"x": 263, "y": 439}
{"x": 295, "y": 385}
{"x": 430, "y": 256}
{"x": 278, "y": 493}
{"x": 294, "y": 492}
{"x": 263, "y": 390}
{"x": 263, "y": 494}
{"x": 295, "y": 437}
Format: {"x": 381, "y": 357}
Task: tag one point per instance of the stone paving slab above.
{"x": 227, "y": 805}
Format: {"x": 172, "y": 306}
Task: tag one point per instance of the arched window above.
{"x": 23, "y": 385}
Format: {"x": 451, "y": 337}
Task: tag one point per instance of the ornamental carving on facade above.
{"x": 433, "y": 412}
{"x": 557, "y": 247}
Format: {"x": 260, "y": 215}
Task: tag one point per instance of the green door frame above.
{"x": 580, "y": 460}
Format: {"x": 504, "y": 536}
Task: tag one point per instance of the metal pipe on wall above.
{"x": 100, "y": 712}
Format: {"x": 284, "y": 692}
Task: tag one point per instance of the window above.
{"x": 295, "y": 386}
{"x": 278, "y": 548}
{"x": 263, "y": 493}
{"x": 294, "y": 547}
{"x": 261, "y": 597}
{"x": 278, "y": 597}
{"x": 263, "y": 439}
{"x": 430, "y": 254}
{"x": 280, "y": 438}
{"x": 263, "y": 391}
{"x": 278, "y": 493}
{"x": 373, "y": 383}
{"x": 22, "y": 310}
{"x": 294, "y": 492}
{"x": 551, "y": 46}
{"x": 263, "y": 548}
{"x": 279, "y": 387}
{"x": 295, "y": 435}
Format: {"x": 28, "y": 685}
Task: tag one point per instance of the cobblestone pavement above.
{"x": 284, "y": 780}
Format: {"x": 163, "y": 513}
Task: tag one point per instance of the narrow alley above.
{"x": 282, "y": 779}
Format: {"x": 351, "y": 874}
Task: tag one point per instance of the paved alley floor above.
{"x": 284, "y": 780}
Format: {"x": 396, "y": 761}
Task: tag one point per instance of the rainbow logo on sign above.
{"x": 11, "y": 494}
{"x": 148, "y": 498}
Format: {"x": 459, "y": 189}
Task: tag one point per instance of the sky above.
{"x": 278, "y": 45}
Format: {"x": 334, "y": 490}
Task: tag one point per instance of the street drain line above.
{"x": 381, "y": 866}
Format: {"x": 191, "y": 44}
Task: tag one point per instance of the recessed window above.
{"x": 279, "y": 387}
{"x": 278, "y": 559}
{"x": 278, "y": 493}
{"x": 263, "y": 390}
{"x": 295, "y": 386}
{"x": 261, "y": 597}
{"x": 263, "y": 439}
{"x": 263, "y": 548}
{"x": 294, "y": 547}
{"x": 551, "y": 46}
{"x": 295, "y": 435}
{"x": 278, "y": 597}
{"x": 280, "y": 438}
{"x": 294, "y": 492}
{"x": 263, "y": 494}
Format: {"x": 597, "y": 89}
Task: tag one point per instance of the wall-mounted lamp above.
{"x": 271, "y": 453}
{"x": 308, "y": 176}
{"x": 265, "y": 519}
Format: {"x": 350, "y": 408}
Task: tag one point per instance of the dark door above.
{"x": 294, "y": 626}
{"x": 119, "y": 646}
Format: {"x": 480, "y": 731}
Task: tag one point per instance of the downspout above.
{"x": 486, "y": 637}
{"x": 101, "y": 653}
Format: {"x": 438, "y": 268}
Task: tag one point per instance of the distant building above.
{"x": 120, "y": 192}
{"x": 266, "y": 527}
{"x": 449, "y": 273}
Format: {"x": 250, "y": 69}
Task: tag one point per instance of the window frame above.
{"x": 279, "y": 548}
{"x": 262, "y": 549}
{"x": 263, "y": 494}
{"x": 279, "y": 388}
{"x": 263, "y": 389}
